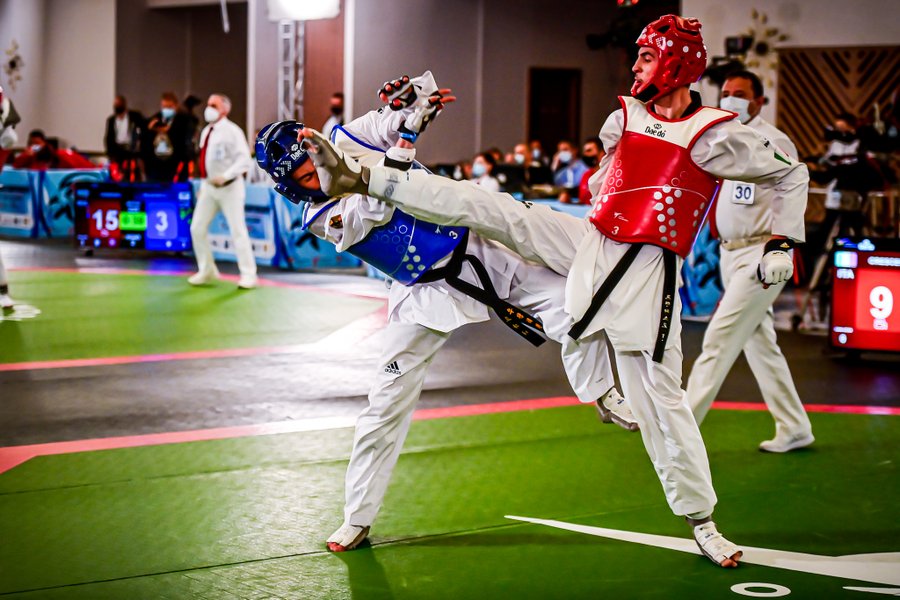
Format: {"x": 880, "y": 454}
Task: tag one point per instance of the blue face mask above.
{"x": 167, "y": 113}
{"x": 478, "y": 169}
{"x": 565, "y": 156}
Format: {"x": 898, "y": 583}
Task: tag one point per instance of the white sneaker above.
{"x": 203, "y": 278}
{"x": 247, "y": 282}
{"x": 347, "y": 537}
{"x": 6, "y": 301}
{"x": 612, "y": 408}
{"x": 786, "y": 443}
{"x": 715, "y": 547}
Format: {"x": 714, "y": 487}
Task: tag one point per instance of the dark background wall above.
{"x": 483, "y": 49}
{"x": 183, "y": 50}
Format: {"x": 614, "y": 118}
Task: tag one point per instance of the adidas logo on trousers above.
{"x": 393, "y": 368}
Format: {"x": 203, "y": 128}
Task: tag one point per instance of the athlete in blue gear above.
{"x": 450, "y": 277}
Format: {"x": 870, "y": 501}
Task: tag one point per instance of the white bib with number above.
{"x": 743, "y": 193}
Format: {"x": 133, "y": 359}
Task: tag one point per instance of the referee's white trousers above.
{"x": 230, "y": 200}
{"x": 744, "y": 320}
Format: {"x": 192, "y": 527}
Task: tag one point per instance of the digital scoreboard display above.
{"x": 142, "y": 216}
{"x": 865, "y": 301}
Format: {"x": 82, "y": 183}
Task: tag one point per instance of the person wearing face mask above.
{"x": 538, "y": 158}
{"x": 482, "y": 169}
{"x": 224, "y": 160}
{"x": 742, "y": 218}
{"x": 336, "y": 108}
{"x": 591, "y": 153}
{"x": 43, "y": 153}
{"x": 167, "y": 144}
{"x": 568, "y": 169}
{"x": 124, "y": 129}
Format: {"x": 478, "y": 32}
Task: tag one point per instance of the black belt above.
{"x": 515, "y": 318}
{"x": 615, "y": 276}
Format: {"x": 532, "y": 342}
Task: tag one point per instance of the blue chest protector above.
{"x": 405, "y": 248}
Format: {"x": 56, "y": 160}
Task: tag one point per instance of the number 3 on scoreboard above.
{"x": 882, "y": 301}
{"x": 112, "y": 219}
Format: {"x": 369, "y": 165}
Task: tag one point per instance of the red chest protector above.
{"x": 653, "y": 192}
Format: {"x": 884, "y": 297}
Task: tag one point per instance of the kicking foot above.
{"x": 612, "y": 408}
{"x": 786, "y": 443}
{"x": 715, "y": 547}
{"x": 347, "y": 537}
{"x": 6, "y": 301}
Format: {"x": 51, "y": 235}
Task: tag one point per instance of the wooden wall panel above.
{"x": 816, "y": 84}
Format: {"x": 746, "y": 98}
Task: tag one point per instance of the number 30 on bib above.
{"x": 743, "y": 193}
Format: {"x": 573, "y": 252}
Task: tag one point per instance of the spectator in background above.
{"x": 519, "y": 155}
{"x": 337, "y": 113}
{"x": 124, "y": 129}
{"x": 190, "y": 104}
{"x": 9, "y": 118}
{"x": 537, "y": 153}
{"x": 224, "y": 160}
{"x": 591, "y": 153}
{"x": 522, "y": 156}
{"x": 497, "y": 153}
{"x": 482, "y": 169}
{"x": 42, "y": 154}
{"x": 167, "y": 144}
{"x": 567, "y": 168}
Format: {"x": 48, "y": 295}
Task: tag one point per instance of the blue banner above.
{"x": 17, "y": 207}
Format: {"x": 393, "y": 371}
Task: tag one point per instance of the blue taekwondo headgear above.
{"x": 279, "y": 153}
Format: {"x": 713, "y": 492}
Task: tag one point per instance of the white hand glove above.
{"x": 777, "y": 264}
{"x": 8, "y": 138}
{"x": 402, "y": 92}
{"x": 338, "y": 174}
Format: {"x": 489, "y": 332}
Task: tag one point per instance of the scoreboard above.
{"x": 865, "y": 300}
{"x": 143, "y": 216}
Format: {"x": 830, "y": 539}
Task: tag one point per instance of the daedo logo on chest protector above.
{"x": 656, "y": 130}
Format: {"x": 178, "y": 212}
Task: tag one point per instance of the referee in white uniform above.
{"x": 744, "y": 319}
{"x": 224, "y": 159}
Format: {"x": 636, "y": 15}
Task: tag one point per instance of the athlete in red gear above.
{"x": 665, "y": 155}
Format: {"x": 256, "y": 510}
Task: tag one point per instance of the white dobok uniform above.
{"x": 421, "y": 318}
{"x": 631, "y": 315}
{"x": 227, "y": 155}
{"x": 745, "y": 218}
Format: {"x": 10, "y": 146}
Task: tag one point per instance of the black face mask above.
{"x": 118, "y": 109}
{"x": 337, "y": 110}
{"x": 590, "y": 161}
{"x": 45, "y": 154}
{"x": 841, "y": 136}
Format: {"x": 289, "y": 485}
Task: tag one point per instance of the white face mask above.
{"x": 565, "y": 156}
{"x": 739, "y": 105}
{"x": 211, "y": 114}
{"x": 478, "y": 169}
{"x": 519, "y": 158}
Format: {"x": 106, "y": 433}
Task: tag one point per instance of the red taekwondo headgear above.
{"x": 682, "y": 56}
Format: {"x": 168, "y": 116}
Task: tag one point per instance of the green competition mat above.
{"x": 248, "y": 517}
{"x": 84, "y": 315}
